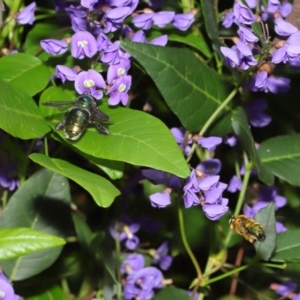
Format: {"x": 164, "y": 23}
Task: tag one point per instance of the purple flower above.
{"x": 160, "y": 200}
{"x": 89, "y": 4}
{"x": 118, "y": 92}
{"x": 149, "y": 225}
{"x": 77, "y": 16}
{"x": 179, "y": 134}
{"x": 255, "y": 113}
{"x": 6, "y": 290}
{"x": 191, "y": 188}
{"x": 9, "y": 176}
{"x": 245, "y": 55}
{"x": 143, "y": 21}
{"x": 148, "y": 278}
{"x": 246, "y": 35}
{"x": 285, "y": 9}
{"x": 210, "y": 143}
{"x": 280, "y": 227}
{"x": 116, "y": 71}
{"x": 115, "y": 17}
{"x": 54, "y": 47}
{"x": 111, "y": 54}
{"x": 235, "y": 184}
{"x": 103, "y": 42}
{"x": 273, "y": 84}
{"x": 65, "y": 73}
{"x": 285, "y": 288}
{"x": 231, "y": 140}
{"x": 160, "y": 40}
{"x": 139, "y": 37}
{"x": 183, "y": 21}
{"x": 155, "y": 176}
{"x": 26, "y": 16}
{"x": 88, "y": 82}
{"x": 124, "y": 230}
{"x": 160, "y": 256}
{"x": 216, "y": 211}
{"x": 231, "y": 56}
{"x": 83, "y": 44}
{"x": 132, "y": 263}
{"x": 163, "y": 18}
{"x": 273, "y": 6}
{"x": 229, "y": 20}
{"x": 207, "y": 183}
{"x": 243, "y": 14}
{"x": 210, "y": 166}
{"x": 284, "y": 28}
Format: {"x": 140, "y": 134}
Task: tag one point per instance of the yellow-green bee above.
{"x": 251, "y": 230}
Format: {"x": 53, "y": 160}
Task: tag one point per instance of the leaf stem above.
{"x": 186, "y": 244}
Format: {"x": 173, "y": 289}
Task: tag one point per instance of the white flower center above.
{"x": 121, "y": 71}
{"x": 122, "y": 88}
{"x": 82, "y": 44}
{"x": 2, "y": 294}
{"x": 89, "y": 83}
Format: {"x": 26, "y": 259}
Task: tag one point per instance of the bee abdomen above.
{"x": 76, "y": 122}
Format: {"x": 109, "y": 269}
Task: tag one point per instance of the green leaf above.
{"x": 241, "y": 128}
{"x": 266, "y": 218}
{"x": 102, "y": 191}
{"x": 188, "y": 38}
{"x": 19, "y": 115}
{"x": 83, "y": 231}
{"x": 287, "y": 246}
{"x": 15, "y": 242}
{"x": 210, "y": 15}
{"x": 192, "y": 90}
{"x": 135, "y": 137}
{"x": 51, "y": 293}
{"x": 41, "y": 203}
{"x": 281, "y": 155}
{"x": 24, "y": 71}
{"x": 172, "y": 293}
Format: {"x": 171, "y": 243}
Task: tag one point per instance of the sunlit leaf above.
{"x": 16, "y": 242}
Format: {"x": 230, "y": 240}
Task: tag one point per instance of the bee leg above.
{"x": 100, "y": 127}
{"x": 60, "y": 125}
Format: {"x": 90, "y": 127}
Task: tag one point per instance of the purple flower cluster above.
{"x": 140, "y": 282}
{"x": 248, "y": 47}
{"x": 265, "y": 195}
{"x": 207, "y": 191}
{"x": 92, "y": 22}
{"x": 6, "y": 290}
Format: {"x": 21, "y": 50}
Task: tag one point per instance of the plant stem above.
{"x": 23, "y": 168}
{"x": 229, "y": 273}
{"x": 241, "y": 196}
{"x": 186, "y": 244}
{"x": 218, "y": 110}
{"x": 118, "y": 253}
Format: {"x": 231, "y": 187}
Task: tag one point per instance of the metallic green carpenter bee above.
{"x": 83, "y": 112}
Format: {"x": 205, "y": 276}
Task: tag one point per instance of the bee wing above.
{"x": 62, "y": 104}
{"x": 98, "y": 114}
